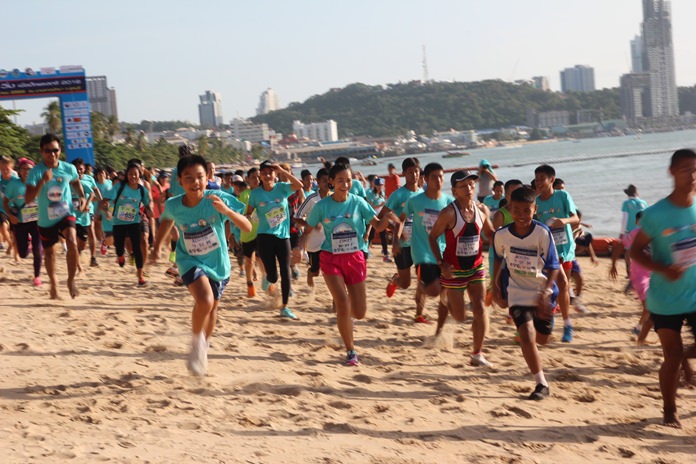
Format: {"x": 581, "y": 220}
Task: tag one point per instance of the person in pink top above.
{"x": 639, "y": 277}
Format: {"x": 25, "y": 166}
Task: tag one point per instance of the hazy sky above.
{"x": 161, "y": 55}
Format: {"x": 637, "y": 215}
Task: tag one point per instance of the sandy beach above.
{"x": 102, "y": 378}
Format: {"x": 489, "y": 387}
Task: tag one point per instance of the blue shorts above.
{"x": 196, "y": 273}
{"x": 576, "y": 267}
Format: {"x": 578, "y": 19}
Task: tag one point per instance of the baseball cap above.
{"x": 237, "y": 178}
{"x": 268, "y": 164}
{"x": 379, "y": 181}
{"x": 631, "y": 190}
{"x": 462, "y": 175}
{"x": 22, "y": 161}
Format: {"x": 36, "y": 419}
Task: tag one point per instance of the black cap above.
{"x": 268, "y": 164}
{"x": 463, "y": 175}
{"x": 631, "y": 190}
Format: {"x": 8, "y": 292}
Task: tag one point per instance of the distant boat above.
{"x": 369, "y": 162}
{"x": 456, "y": 154}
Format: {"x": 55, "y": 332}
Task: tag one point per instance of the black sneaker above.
{"x": 93, "y": 262}
{"x": 539, "y": 393}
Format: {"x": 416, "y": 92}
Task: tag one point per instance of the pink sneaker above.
{"x": 103, "y": 247}
{"x": 37, "y": 281}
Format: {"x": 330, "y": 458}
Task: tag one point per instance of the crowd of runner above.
{"x": 434, "y": 227}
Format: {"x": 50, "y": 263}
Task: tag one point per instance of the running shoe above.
{"x": 387, "y": 259}
{"x": 93, "y": 262}
{"x": 567, "y": 334}
{"x": 392, "y": 286}
{"x": 422, "y": 319}
{"x": 251, "y": 290}
{"x": 287, "y": 313}
{"x": 352, "y": 358}
{"x": 480, "y": 360}
{"x": 121, "y": 261}
{"x": 103, "y": 248}
{"x": 198, "y": 359}
{"x": 37, "y": 281}
{"x": 295, "y": 273}
{"x": 242, "y": 273}
{"x": 265, "y": 284}
{"x": 172, "y": 272}
{"x": 540, "y": 392}
{"x": 142, "y": 283}
{"x": 579, "y": 307}
{"x": 172, "y": 256}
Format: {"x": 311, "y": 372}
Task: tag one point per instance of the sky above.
{"x": 161, "y": 55}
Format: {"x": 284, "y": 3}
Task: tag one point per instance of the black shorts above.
{"x": 674, "y": 322}
{"x": 428, "y": 273}
{"x": 314, "y": 261}
{"x": 51, "y": 235}
{"x": 294, "y": 238}
{"x": 249, "y": 248}
{"x": 82, "y": 232}
{"x": 523, "y": 314}
{"x": 4, "y": 217}
{"x": 404, "y": 260}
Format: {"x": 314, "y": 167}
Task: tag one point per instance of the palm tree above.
{"x": 52, "y": 116}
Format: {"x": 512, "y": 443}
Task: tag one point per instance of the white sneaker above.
{"x": 479, "y": 360}
{"x": 198, "y": 359}
{"x": 579, "y": 307}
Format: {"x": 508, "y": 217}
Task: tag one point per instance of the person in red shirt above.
{"x": 392, "y": 182}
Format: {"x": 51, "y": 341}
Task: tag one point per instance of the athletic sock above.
{"x": 567, "y": 322}
{"x": 540, "y": 379}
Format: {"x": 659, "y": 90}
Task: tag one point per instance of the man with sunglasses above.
{"x": 50, "y": 183}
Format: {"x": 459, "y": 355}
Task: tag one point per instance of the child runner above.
{"x": 669, "y": 228}
{"x": 527, "y": 247}
{"x": 462, "y": 223}
{"x": 493, "y": 201}
{"x": 249, "y": 239}
{"x": 344, "y": 218}
{"x": 486, "y": 179}
{"x": 7, "y": 174}
{"x": 314, "y": 239}
{"x": 201, "y": 251}
{"x": 375, "y": 197}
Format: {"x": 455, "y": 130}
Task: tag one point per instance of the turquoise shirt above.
{"x": 3, "y": 185}
{"x": 397, "y": 204}
{"x": 175, "y": 187}
{"x": 492, "y": 203}
{"x": 127, "y": 208}
{"x": 672, "y": 232}
{"x": 15, "y": 190}
{"x": 81, "y": 218}
{"x": 560, "y": 205}
{"x": 55, "y": 197}
{"x": 376, "y": 200}
{"x": 356, "y": 188}
{"x": 272, "y": 209}
{"x": 344, "y": 223}
{"x": 89, "y": 181}
{"x": 202, "y": 242}
{"x": 631, "y": 207}
{"x": 425, "y": 211}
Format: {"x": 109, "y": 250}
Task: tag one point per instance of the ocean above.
{"x": 595, "y": 171}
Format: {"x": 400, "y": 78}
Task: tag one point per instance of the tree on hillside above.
{"x": 14, "y": 140}
{"x": 52, "y": 117}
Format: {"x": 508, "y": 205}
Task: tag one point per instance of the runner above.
{"x": 493, "y": 201}
{"x": 462, "y": 223}
{"x": 307, "y": 183}
{"x": 23, "y": 217}
{"x": 528, "y": 249}
{"x": 50, "y": 183}
{"x": 344, "y": 218}
{"x": 425, "y": 208}
{"x": 669, "y": 229}
{"x": 249, "y": 239}
{"x": 375, "y": 197}
{"x": 271, "y": 201}
{"x": 201, "y": 252}
{"x": 104, "y": 184}
{"x": 314, "y": 239}
{"x": 7, "y": 174}
{"x": 555, "y": 209}
{"x": 83, "y": 218}
{"x": 392, "y": 182}
{"x": 486, "y": 179}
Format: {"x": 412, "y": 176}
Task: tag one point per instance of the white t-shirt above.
{"x": 315, "y": 239}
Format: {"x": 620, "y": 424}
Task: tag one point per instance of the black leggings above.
{"x": 131, "y": 231}
{"x": 22, "y": 232}
{"x": 382, "y": 238}
{"x": 269, "y": 247}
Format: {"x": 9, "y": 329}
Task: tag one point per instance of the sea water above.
{"x": 595, "y": 171}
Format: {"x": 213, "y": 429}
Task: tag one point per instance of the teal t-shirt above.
{"x": 89, "y": 181}
{"x": 397, "y": 204}
{"x": 81, "y": 218}
{"x": 202, "y": 242}
{"x": 425, "y": 211}
{"x": 376, "y": 200}
{"x": 344, "y": 223}
{"x": 15, "y": 190}
{"x": 560, "y": 205}
{"x": 672, "y": 232}
{"x": 55, "y": 197}
{"x": 631, "y": 207}
{"x": 492, "y": 203}
{"x": 3, "y": 185}
{"x": 356, "y": 188}
{"x": 272, "y": 209}
{"x": 127, "y": 206}
{"x": 175, "y": 187}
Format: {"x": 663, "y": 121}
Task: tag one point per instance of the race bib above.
{"x": 126, "y": 212}
{"x": 30, "y": 213}
{"x": 58, "y": 210}
{"x": 408, "y": 230}
{"x": 344, "y": 240}
{"x": 276, "y": 216}
{"x": 429, "y": 218}
{"x": 559, "y": 236}
{"x": 201, "y": 242}
{"x": 76, "y": 204}
{"x": 468, "y": 246}
{"x": 684, "y": 252}
{"x": 522, "y": 262}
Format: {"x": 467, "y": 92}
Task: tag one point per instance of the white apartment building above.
{"x": 243, "y": 129}
{"x": 321, "y": 131}
{"x": 268, "y": 102}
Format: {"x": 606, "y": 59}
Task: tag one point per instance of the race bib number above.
{"x": 30, "y": 213}
{"x": 559, "y": 236}
{"x": 684, "y": 252}
{"x": 201, "y": 242}
{"x": 76, "y": 204}
{"x": 468, "y": 246}
{"x": 344, "y": 240}
{"x": 429, "y": 218}
{"x": 408, "y": 230}
{"x": 58, "y": 210}
{"x": 522, "y": 262}
{"x": 126, "y": 212}
{"x": 276, "y": 216}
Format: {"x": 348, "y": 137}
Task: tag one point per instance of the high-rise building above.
{"x": 637, "y": 54}
{"x": 579, "y": 78}
{"x": 243, "y": 129}
{"x": 210, "y": 110}
{"x": 102, "y": 99}
{"x": 322, "y": 131}
{"x": 268, "y": 102}
{"x": 635, "y": 97}
{"x": 658, "y": 58}
{"x": 540, "y": 82}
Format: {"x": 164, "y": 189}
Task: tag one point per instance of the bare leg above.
{"x": 73, "y": 257}
{"x": 529, "y": 346}
{"x": 204, "y": 304}
{"x": 477, "y": 292}
{"x": 338, "y": 290}
{"x": 673, "y": 352}
{"x": 50, "y": 262}
{"x": 563, "y": 294}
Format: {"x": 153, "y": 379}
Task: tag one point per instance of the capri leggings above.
{"x": 269, "y": 248}
{"x": 131, "y": 231}
{"x": 22, "y": 232}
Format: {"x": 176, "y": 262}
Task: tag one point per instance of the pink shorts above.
{"x": 640, "y": 280}
{"x": 350, "y": 266}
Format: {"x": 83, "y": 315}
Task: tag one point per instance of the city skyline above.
{"x": 159, "y": 64}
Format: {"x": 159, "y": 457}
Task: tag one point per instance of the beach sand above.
{"x": 102, "y": 378}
